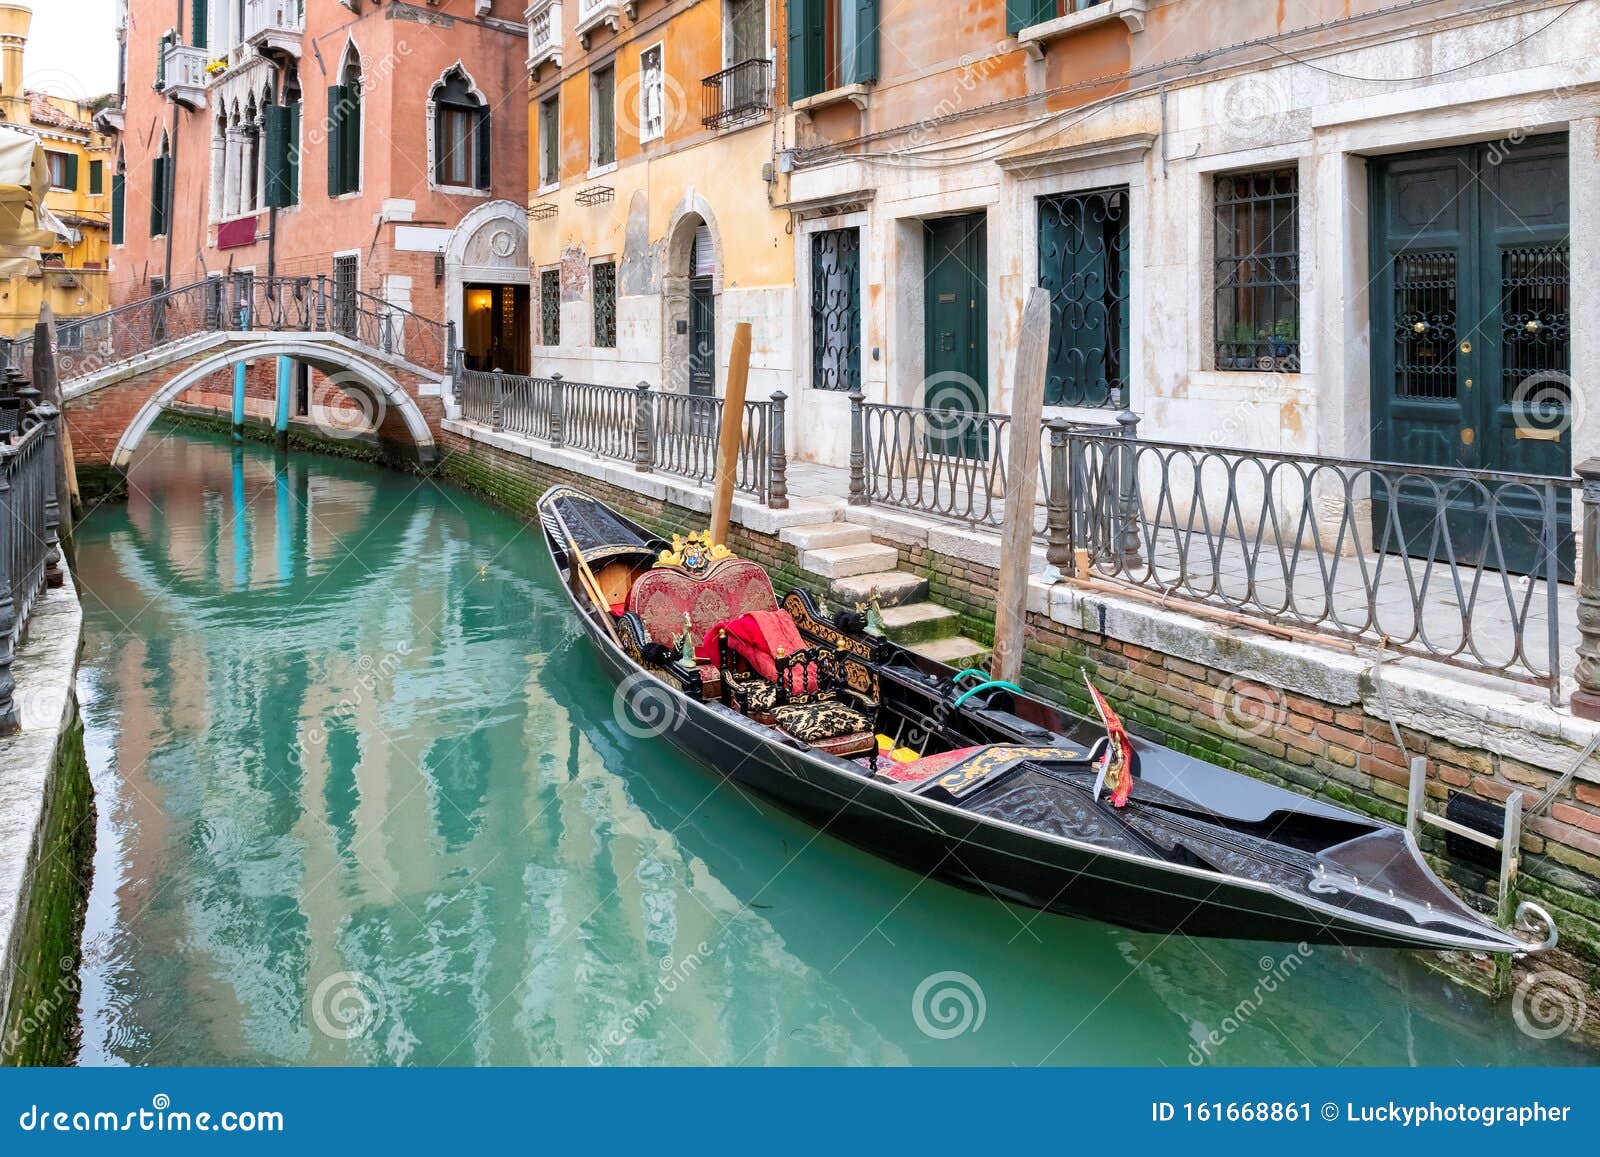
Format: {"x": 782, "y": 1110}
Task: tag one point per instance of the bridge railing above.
{"x": 241, "y": 303}
{"x": 674, "y": 433}
{"x": 30, "y": 551}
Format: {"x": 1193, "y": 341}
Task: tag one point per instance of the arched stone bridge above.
{"x": 118, "y": 370}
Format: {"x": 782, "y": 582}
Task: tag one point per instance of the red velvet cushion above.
{"x": 663, "y": 596}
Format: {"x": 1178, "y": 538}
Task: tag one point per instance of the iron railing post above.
{"x": 1128, "y": 492}
{"x": 1586, "y": 698}
{"x": 497, "y": 411}
{"x": 450, "y": 360}
{"x": 10, "y": 718}
{"x": 558, "y": 411}
{"x": 48, "y": 416}
{"x": 858, "y": 450}
{"x": 322, "y": 301}
{"x": 643, "y": 430}
{"x": 1058, "y": 510}
{"x": 778, "y": 465}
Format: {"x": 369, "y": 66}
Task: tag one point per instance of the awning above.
{"x": 24, "y": 179}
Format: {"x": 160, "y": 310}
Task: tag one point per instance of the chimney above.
{"x": 14, "y": 22}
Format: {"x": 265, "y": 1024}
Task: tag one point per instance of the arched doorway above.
{"x": 486, "y": 288}
{"x": 691, "y": 294}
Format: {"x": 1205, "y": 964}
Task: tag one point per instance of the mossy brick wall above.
{"x": 41, "y": 1026}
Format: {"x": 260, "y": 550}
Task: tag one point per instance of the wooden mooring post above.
{"x": 732, "y": 433}
{"x": 1022, "y": 481}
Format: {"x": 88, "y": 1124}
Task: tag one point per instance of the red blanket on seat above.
{"x": 760, "y": 638}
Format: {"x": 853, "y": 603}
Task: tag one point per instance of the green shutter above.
{"x": 71, "y": 167}
{"x": 292, "y": 143}
{"x": 119, "y": 207}
{"x": 485, "y": 165}
{"x": 158, "y": 195}
{"x": 97, "y": 178}
{"x": 352, "y": 141}
{"x": 337, "y": 95}
{"x": 863, "y": 15}
{"x": 197, "y": 23}
{"x": 801, "y": 55}
{"x": 277, "y": 156}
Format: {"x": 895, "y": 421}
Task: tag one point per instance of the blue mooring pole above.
{"x": 238, "y": 402}
{"x": 280, "y": 424}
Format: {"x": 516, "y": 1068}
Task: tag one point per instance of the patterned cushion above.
{"x": 732, "y": 588}
{"x": 828, "y": 719}
{"x": 756, "y": 696}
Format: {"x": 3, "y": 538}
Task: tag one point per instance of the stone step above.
{"x": 920, "y": 623}
{"x": 818, "y": 535}
{"x": 956, "y": 651}
{"x": 837, "y": 562}
{"x": 892, "y": 588}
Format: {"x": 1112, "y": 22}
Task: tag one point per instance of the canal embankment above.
{"x": 47, "y": 827}
{"x": 1322, "y": 720}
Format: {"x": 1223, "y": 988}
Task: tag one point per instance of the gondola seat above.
{"x": 730, "y": 588}
{"x": 827, "y": 725}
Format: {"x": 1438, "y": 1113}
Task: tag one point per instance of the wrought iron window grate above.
{"x": 1425, "y": 324}
{"x": 595, "y": 195}
{"x": 836, "y": 310}
{"x": 550, "y": 307}
{"x": 1083, "y": 263}
{"x": 544, "y": 211}
{"x": 1258, "y": 271}
{"x": 605, "y": 305}
{"x": 1535, "y": 312}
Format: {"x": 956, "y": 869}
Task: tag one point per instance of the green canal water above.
{"x": 363, "y": 800}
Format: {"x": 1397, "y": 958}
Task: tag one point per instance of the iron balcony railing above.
{"x": 737, "y": 94}
{"x": 30, "y": 552}
{"x": 243, "y": 303}
{"x": 676, "y": 434}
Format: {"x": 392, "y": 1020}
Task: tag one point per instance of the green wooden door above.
{"x": 1470, "y": 344}
{"x": 956, "y": 357}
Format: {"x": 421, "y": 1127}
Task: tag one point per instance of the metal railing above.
{"x": 947, "y": 461}
{"x": 676, "y": 434}
{"x": 736, "y": 94}
{"x": 30, "y": 552}
{"x": 1460, "y": 566}
{"x": 240, "y": 304}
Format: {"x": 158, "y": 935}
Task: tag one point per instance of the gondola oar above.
{"x": 591, "y": 585}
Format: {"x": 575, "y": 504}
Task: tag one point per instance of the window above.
{"x": 460, "y": 134}
{"x": 160, "y": 188}
{"x": 831, "y": 43}
{"x": 119, "y": 208}
{"x": 1258, "y": 271}
{"x": 746, "y": 37}
{"x": 652, "y": 95}
{"x": 550, "y": 307}
{"x": 344, "y": 130}
{"x": 1083, "y": 263}
{"x": 603, "y": 108}
{"x": 283, "y": 154}
{"x": 346, "y": 285}
{"x": 97, "y": 178}
{"x": 605, "y": 305}
{"x": 836, "y": 310}
{"x": 549, "y": 142}
{"x": 197, "y": 23}
{"x": 63, "y": 170}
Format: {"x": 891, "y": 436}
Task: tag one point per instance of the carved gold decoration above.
{"x": 966, "y": 776}
{"x": 694, "y": 552}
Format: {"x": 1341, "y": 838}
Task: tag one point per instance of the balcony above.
{"x": 183, "y": 75}
{"x": 736, "y": 95}
{"x": 544, "y": 33}
{"x": 593, "y": 13}
{"x": 274, "y": 26}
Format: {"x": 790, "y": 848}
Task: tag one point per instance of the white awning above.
{"x": 24, "y": 179}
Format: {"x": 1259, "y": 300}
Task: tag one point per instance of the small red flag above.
{"x": 1116, "y": 771}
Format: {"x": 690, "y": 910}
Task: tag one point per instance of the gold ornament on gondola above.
{"x": 694, "y": 552}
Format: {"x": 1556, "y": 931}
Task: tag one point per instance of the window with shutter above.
{"x": 281, "y": 141}
{"x": 197, "y": 23}
{"x": 550, "y": 142}
{"x": 97, "y": 178}
{"x": 119, "y": 208}
{"x": 158, "y": 194}
{"x": 832, "y": 43}
{"x": 603, "y": 86}
{"x": 460, "y": 133}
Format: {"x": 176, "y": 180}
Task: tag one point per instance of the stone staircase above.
{"x": 859, "y": 570}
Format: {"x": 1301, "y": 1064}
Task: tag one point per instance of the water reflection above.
{"x": 363, "y": 801}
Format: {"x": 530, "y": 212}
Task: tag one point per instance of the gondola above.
{"x": 973, "y": 781}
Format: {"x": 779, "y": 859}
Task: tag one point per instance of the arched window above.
{"x": 344, "y": 128}
{"x": 460, "y": 133}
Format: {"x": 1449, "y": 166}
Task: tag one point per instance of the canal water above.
{"x": 364, "y": 800}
